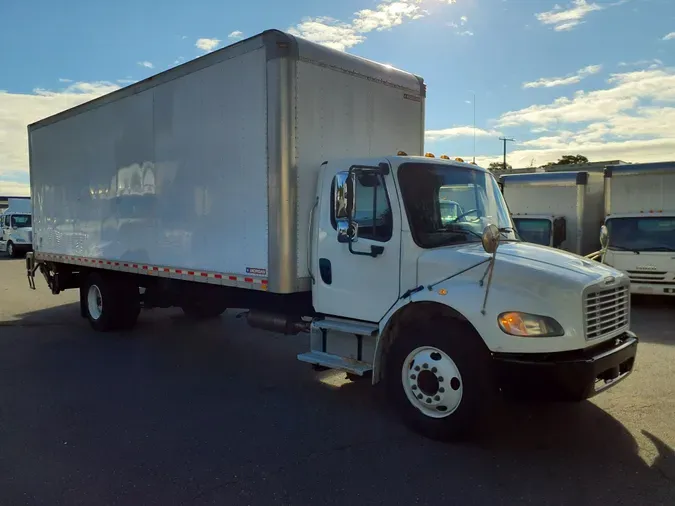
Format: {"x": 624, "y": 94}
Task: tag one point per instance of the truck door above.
{"x": 357, "y": 279}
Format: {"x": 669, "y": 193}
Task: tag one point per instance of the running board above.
{"x": 348, "y": 327}
{"x": 335, "y": 362}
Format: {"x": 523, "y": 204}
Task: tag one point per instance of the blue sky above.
{"x": 576, "y": 76}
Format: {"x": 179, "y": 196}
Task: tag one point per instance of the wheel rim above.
{"x": 10, "y": 249}
{"x": 432, "y": 382}
{"x": 94, "y": 302}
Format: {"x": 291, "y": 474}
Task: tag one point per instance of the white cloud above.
{"x": 14, "y": 189}
{"x": 63, "y": 80}
{"x": 464, "y": 19}
{"x": 630, "y": 119}
{"x": 566, "y": 19}
{"x": 126, "y": 81}
{"x": 466, "y": 32}
{"x": 17, "y": 110}
{"x": 669, "y": 36}
{"x": 550, "y": 82}
{"x": 207, "y": 45}
{"x": 342, "y": 35}
{"x": 460, "y": 131}
{"x": 146, "y": 64}
{"x": 236, "y": 35}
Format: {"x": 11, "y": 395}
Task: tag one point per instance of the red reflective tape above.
{"x": 145, "y": 267}
{"x": 109, "y": 263}
{"x": 155, "y": 268}
{"x": 191, "y": 273}
{"x": 167, "y": 270}
{"x": 126, "y": 265}
{"x": 135, "y": 266}
{"x": 233, "y": 278}
{"x": 117, "y": 263}
{"x": 219, "y": 276}
{"x": 204, "y": 274}
{"x": 179, "y": 271}
{"x": 100, "y": 261}
{"x": 264, "y": 281}
{"x": 248, "y": 280}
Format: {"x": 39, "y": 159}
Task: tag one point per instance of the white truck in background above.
{"x": 16, "y": 232}
{"x": 558, "y": 209}
{"x": 286, "y": 178}
{"x": 640, "y": 219}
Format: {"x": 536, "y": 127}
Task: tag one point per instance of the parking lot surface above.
{"x": 178, "y": 412}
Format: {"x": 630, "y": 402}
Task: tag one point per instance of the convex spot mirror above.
{"x": 490, "y": 238}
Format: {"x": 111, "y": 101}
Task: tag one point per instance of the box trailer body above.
{"x": 284, "y": 178}
{"x": 640, "y": 218}
{"x": 231, "y": 142}
{"x": 558, "y": 209}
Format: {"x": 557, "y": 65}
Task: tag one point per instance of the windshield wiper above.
{"x": 659, "y": 248}
{"x": 459, "y": 230}
{"x": 622, "y": 248}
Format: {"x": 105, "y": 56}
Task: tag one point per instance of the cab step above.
{"x": 336, "y": 362}
{"x": 347, "y": 327}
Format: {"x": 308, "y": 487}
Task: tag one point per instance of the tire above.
{"x": 11, "y": 250}
{"x": 110, "y": 304}
{"x": 203, "y": 310}
{"x": 450, "y": 408}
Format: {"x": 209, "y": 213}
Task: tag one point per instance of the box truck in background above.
{"x": 640, "y": 219}
{"x": 16, "y": 232}
{"x": 285, "y": 178}
{"x": 558, "y": 209}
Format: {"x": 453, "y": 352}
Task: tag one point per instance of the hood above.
{"x": 517, "y": 262}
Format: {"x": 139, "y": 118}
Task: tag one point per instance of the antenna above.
{"x": 474, "y": 128}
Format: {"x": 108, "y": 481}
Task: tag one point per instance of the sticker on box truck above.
{"x": 256, "y": 271}
{"x": 414, "y": 98}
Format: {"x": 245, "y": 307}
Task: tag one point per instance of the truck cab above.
{"x": 415, "y": 294}
{"x": 17, "y": 233}
{"x": 542, "y": 229}
{"x": 640, "y": 220}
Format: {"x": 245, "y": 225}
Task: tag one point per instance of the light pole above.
{"x": 505, "y": 139}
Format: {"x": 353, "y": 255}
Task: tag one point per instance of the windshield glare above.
{"x": 449, "y": 204}
{"x": 642, "y": 233}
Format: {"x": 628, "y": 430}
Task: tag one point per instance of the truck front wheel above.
{"x": 109, "y": 303}
{"x": 438, "y": 377}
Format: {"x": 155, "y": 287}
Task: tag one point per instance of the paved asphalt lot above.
{"x": 216, "y": 413}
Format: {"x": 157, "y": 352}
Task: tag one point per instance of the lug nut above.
{"x": 428, "y": 400}
{"x": 417, "y": 368}
{"x": 440, "y": 379}
{"x": 426, "y": 366}
{"x": 441, "y": 390}
{"x": 414, "y": 387}
{"x": 433, "y": 370}
{"x": 413, "y": 376}
{"x": 437, "y": 398}
{"x": 419, "y": 396}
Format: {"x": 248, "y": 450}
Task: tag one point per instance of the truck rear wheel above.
{"x": 438, "y": 377}
{"x": 11, "y": 251}
{"x": 110, "y": 304}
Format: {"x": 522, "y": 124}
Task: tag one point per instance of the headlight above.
{"x": 529, "y": 325}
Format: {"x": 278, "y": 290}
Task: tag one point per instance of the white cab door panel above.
{"x": 350, "y": 284}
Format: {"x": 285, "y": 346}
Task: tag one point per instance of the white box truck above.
{"x": 16, "y": 232}
{"x": 286, "y": 178}
{"x": 640, "y": 219}
{"x": 558, "y": 209}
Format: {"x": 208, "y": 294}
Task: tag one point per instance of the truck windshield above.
{"x": 535, "y": 230}
{"x": 649, "y": 233}
{"x": 449, "y": 204}
{"x": 21, "y": 220}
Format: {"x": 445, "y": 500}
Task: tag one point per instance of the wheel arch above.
{"x": 405, "y": 316}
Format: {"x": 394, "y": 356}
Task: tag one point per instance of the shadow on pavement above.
{"x": 652, "y": 318}
{"x": 217, "y": 413}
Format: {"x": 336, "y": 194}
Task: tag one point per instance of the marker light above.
{"x": 445, "y": 157}
{"x": 529, "y": 325}
{"x": 401, "y": 153}
{"x": 458, "y": 159}
{"x": 429, "y": 155}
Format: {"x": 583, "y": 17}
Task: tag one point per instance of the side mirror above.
{"x": 490, "y": 238}
{"x": 604, "y": 237}
{"x": 345, "y": 233}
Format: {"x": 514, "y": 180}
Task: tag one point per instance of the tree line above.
{"x": 564, "y": 160}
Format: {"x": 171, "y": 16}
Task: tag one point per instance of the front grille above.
{"x": 647, "y": 276}
{"x": 606, "y": 311}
